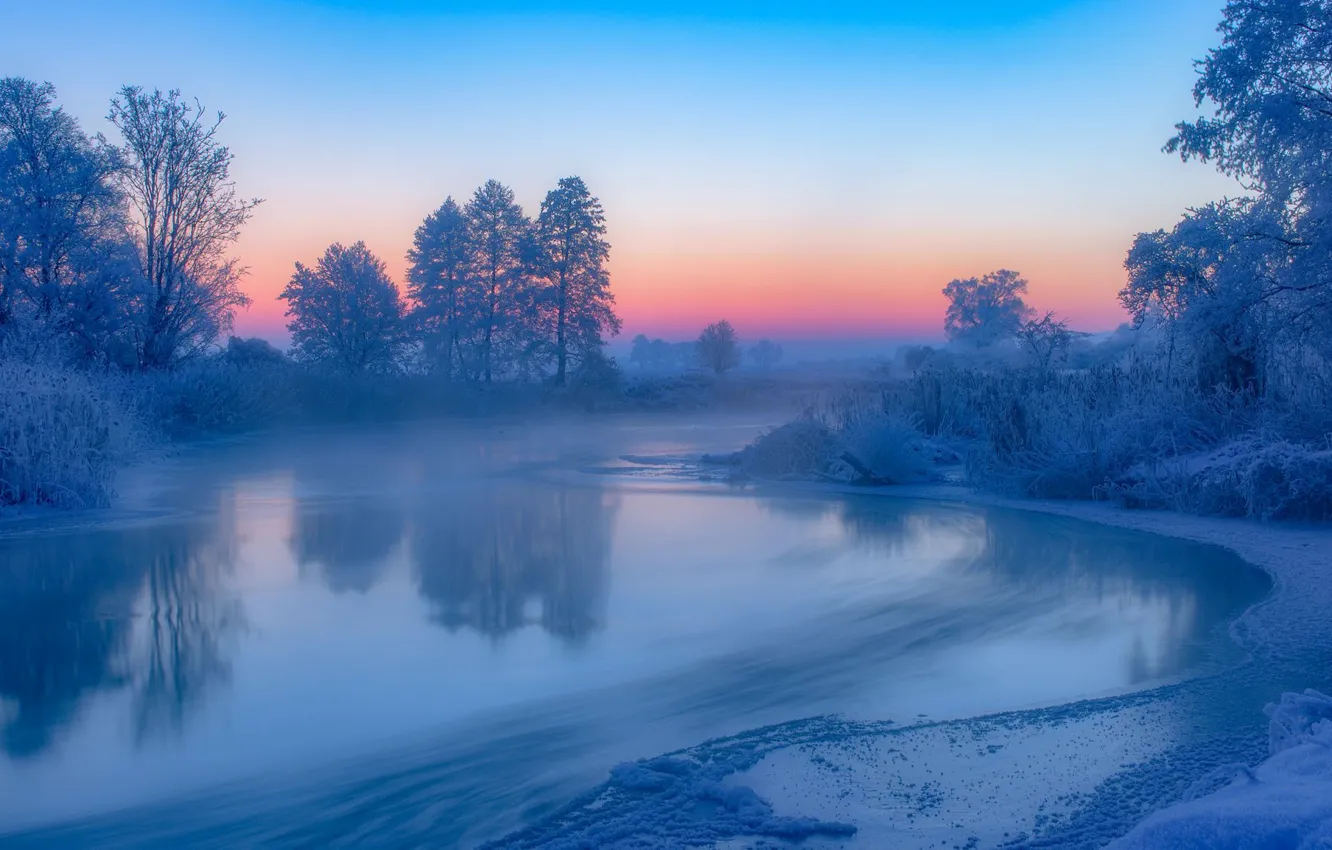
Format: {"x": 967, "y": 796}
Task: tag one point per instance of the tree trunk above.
{"x": 561, "y": 351}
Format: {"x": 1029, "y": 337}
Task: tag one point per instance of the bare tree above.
{"x": 178, "y": 178}
{"x": 1047, "y": 339}
{"x": 718, "y": 348}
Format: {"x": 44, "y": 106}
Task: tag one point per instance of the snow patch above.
{"x": 1286, "y": 802}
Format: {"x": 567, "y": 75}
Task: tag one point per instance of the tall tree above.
{"x": 1215, "y": 290}
{"x": 498, "y": 231}
{"x": 345, "y": 312}
{"x": 1269, "y": 89}
{"x": 718, "y": 348}
{"x": 437, "y": 281}
{"x": 981, "y": 311}
{"x": 178, "y": 178}
{"x": 61, "y": 216}
{"x": 571, "y": 253}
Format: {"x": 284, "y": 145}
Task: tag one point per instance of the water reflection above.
{"x": 511, "y": 556}
{"x": 389, "y": 592}
{"x": 188, "y": 617}
{"x": 348, "y": 542}
{"x": 137, "y": 609}
{"x": 1045, "y": 561}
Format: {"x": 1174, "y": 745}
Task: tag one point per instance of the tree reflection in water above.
{"x": 348, "y": 540}
{"x": 188, "y": 614}
{"x": 1041, "y": 557}
{"x": 487, "y": 559}
{"x": 137, "y": 608}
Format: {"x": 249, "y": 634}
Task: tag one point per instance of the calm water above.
{"x": 440, "y": 632}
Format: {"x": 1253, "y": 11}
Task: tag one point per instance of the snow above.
{"x": 1161, "y": 768}
{"x": 1286, "y": 802}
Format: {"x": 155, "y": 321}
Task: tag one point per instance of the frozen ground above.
{"x": 1079, "y": 775}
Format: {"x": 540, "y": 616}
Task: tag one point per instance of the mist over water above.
{"x": 445, "y": 631}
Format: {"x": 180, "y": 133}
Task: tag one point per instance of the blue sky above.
{"x": 804, "y": 169}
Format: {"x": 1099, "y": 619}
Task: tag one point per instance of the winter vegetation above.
{"x": 118, "y": 289}
{"x": 1217, "y": 398}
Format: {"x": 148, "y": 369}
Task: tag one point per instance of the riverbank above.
{"x": 1072, "y": 776}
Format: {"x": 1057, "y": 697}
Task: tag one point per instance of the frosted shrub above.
{"x": 62, "y": 435}
{"x": 891, "y": 447}
{"x": 214, "y": 395}
{"x": 799, "y": 449}
{"x": 1269, "y": 481}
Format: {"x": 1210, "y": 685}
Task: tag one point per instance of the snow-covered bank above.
{"x": 1286, "y": 802}
{"x": 1071, "y": 776}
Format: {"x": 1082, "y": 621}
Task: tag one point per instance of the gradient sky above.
{"x": 807, "y": 170}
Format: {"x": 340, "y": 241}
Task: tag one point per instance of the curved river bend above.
{"x": 440, "y": 634}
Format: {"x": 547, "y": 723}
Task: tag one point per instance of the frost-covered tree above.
{"x": 177, "y": 176}
{"x": 570, "y": 261}
{"x": 1046, "y": 339}
{"x": 498, "y": 295}
{"x": 1270, "y": 87}
{"x": 718, "y": 348}
{"x": 62, "y": 236}
{"x": 982, "y": 311}
{"x": 437, "y": 281}
{"x": 345, "y": 312}
{"x": 766, "y": 354}
{"x": 1241, "y": 283}
{"x": 1214, "y": 284}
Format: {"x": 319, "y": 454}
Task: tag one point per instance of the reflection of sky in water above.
{"x": 340, "y": 592}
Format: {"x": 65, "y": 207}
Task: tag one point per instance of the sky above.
{"x": 806, "y": 170}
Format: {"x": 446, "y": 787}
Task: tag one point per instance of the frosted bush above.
{"x": 799, "y": 449}
{"x": 214, "y": 395}
{"x": 1266, "y": 480}
{"x": 891, "y": 447}
{"x": 62, "y": 435}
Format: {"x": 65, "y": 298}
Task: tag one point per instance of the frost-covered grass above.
{"x": 1128, "y": 433}
{"x": 211, "y": 397}
{"x": 62, "y": 435}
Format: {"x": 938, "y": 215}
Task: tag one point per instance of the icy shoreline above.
{"x": 1078, "y": 775}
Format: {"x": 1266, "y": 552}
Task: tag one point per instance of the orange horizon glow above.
{"x": 783, "y": 295}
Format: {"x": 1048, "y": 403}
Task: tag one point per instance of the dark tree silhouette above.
{"x": 345, "y": 312}
{"x": 982, "y": 311}
{"x": 438, "y": 280}
{"x": 570, "y": 258}
{"x": 498, "y": 232}
{"x": 718, "y": 348}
